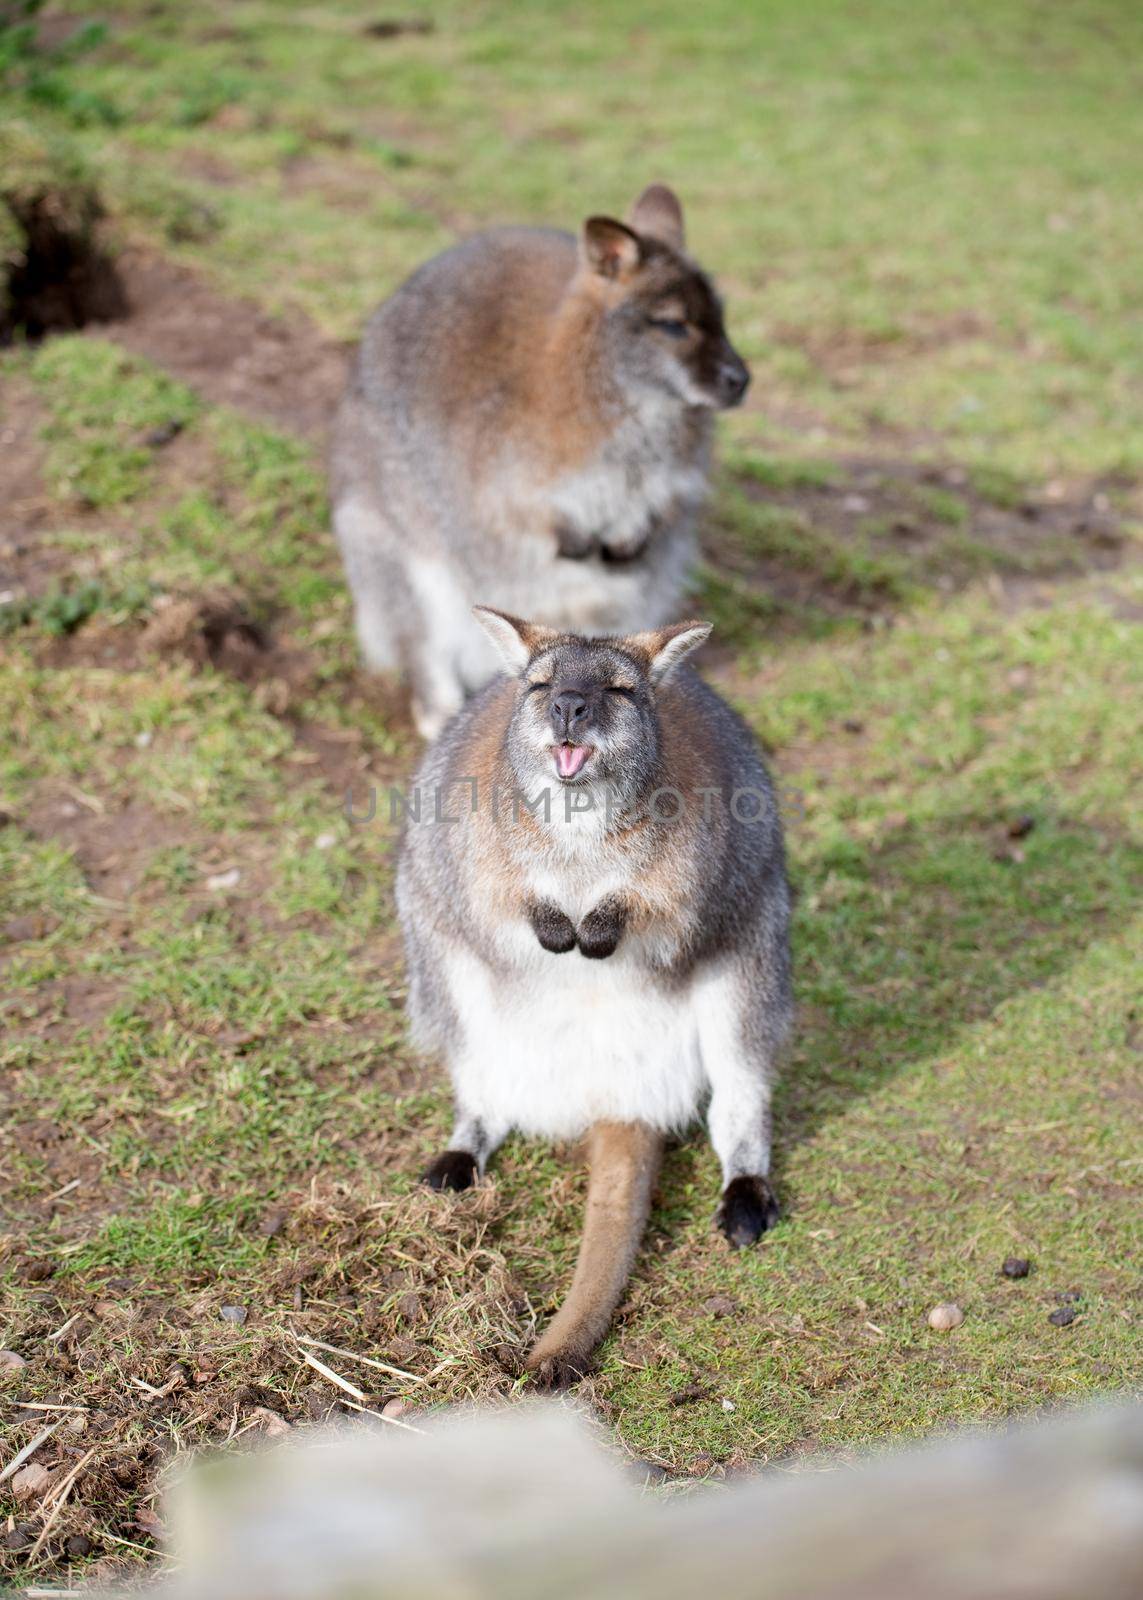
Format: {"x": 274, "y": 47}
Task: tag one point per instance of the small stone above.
{"x": 78, "y": 1546}
{"x": 1064, "y": 1315}
{"x": 1070, "y": 1297}
{"x": 720, "y": 1305}
{"x": 219, "y": 881}
{"x": 853, "y": 725}
{"x": 11, "y": 1362}
{"x": 150, "y": 1522}
{"x": 158, "y": 436}
{"x": 1020, "y": 827}
{"x": 325, "y": 841}
{"x": 943, "y": 1318}
{"x": 272, "y": 1424}
{"x": 1016, "y": 1267}
{"x": 394, "y": 1408}
{"x": 233, "y": 1314}
{"x": 30, "y": 1481}
{"x": 272, "y": 1224}
{"x": 728, "y": 1405}
{"x": 144, "y": 740}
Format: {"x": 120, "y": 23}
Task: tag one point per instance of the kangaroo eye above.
{"x": 532, "y": 687}
{"x": 670, "y": 326}
{"x": 621, "y": 688}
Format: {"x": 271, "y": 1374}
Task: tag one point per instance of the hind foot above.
{"x": 748, "y": 1208}
{"x": 453, "y": 1169}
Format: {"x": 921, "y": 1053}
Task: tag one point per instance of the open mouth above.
{"x": 571, "y": 759}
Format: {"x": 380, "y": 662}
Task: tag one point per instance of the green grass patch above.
{"x": 62, "y": 610}
{"x": 102, "y": 405}
{"x": 769, "y": 532}
{"x": 924, "y": 222}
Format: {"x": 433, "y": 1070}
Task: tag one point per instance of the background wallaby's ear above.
{"x": 666, "y": 647}
{"x": 516, "y": 641}
{"x": 658, "y": 214}
{"x": 609, "y": 247}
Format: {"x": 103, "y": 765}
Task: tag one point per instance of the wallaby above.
{"x": 528, "y": 421}
{"x": 593, "y": 895}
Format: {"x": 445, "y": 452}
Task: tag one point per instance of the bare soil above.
{"x": 229, "y": 350}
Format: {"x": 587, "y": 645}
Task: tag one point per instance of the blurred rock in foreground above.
{"x": 526, "y": 1505}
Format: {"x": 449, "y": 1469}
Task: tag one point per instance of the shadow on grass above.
{"x": 900, "y": 947}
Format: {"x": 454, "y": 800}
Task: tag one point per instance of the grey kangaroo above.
{"x": 599, "y": 942}
{"x": 529, "y": 421}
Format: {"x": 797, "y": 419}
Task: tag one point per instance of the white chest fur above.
{"x": 619, "y": 499}
{"x": 551, "y": 1043}
{"x": 556, "y": 1042}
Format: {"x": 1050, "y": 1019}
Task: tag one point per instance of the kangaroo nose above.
{"x": 734, "y": 377}
{"x": 569, "y": 714}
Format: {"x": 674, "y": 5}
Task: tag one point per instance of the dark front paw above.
{"x": 601, "y": 930}
{"x": 748, "y": 1208}
{"x": 622, "y": 555}
{"x": 454, "y": 1169}
{"x": 554, "y": 931}
{"x": 572, "y": 544}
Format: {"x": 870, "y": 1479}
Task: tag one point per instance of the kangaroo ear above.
{"x": 658, "y": 214}
{"x": 666, "y": 647}
{"x": 609, "y": 247}
{"x": 516, "y": 641}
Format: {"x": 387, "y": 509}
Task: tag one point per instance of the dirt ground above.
{"x": 230, "y": 351}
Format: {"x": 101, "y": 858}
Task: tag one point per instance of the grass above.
{"x": 924, "y": 222}
{"x": 202, "y": 1013}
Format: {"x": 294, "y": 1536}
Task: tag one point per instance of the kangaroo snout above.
{"x": 570, "y": 714}
{"x": 733, "y": 378}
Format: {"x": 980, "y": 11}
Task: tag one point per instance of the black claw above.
{"x": 454, "y": 1169}
{"x": 748, "y": 1208}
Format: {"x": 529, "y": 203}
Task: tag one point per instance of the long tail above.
{"x": 623, "y": 1163}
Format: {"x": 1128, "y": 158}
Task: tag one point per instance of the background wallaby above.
{"x": 528, "y": 421}
{"x": 595, "y": 910}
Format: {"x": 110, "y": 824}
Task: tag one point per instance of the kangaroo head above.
{"x": 662, "y": 317}
{"x": 586, "y": 710}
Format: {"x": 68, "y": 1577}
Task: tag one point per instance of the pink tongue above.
{"x": 570, "y": 758}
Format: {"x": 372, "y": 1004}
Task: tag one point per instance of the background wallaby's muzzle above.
{"x": 733, "y": 377}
